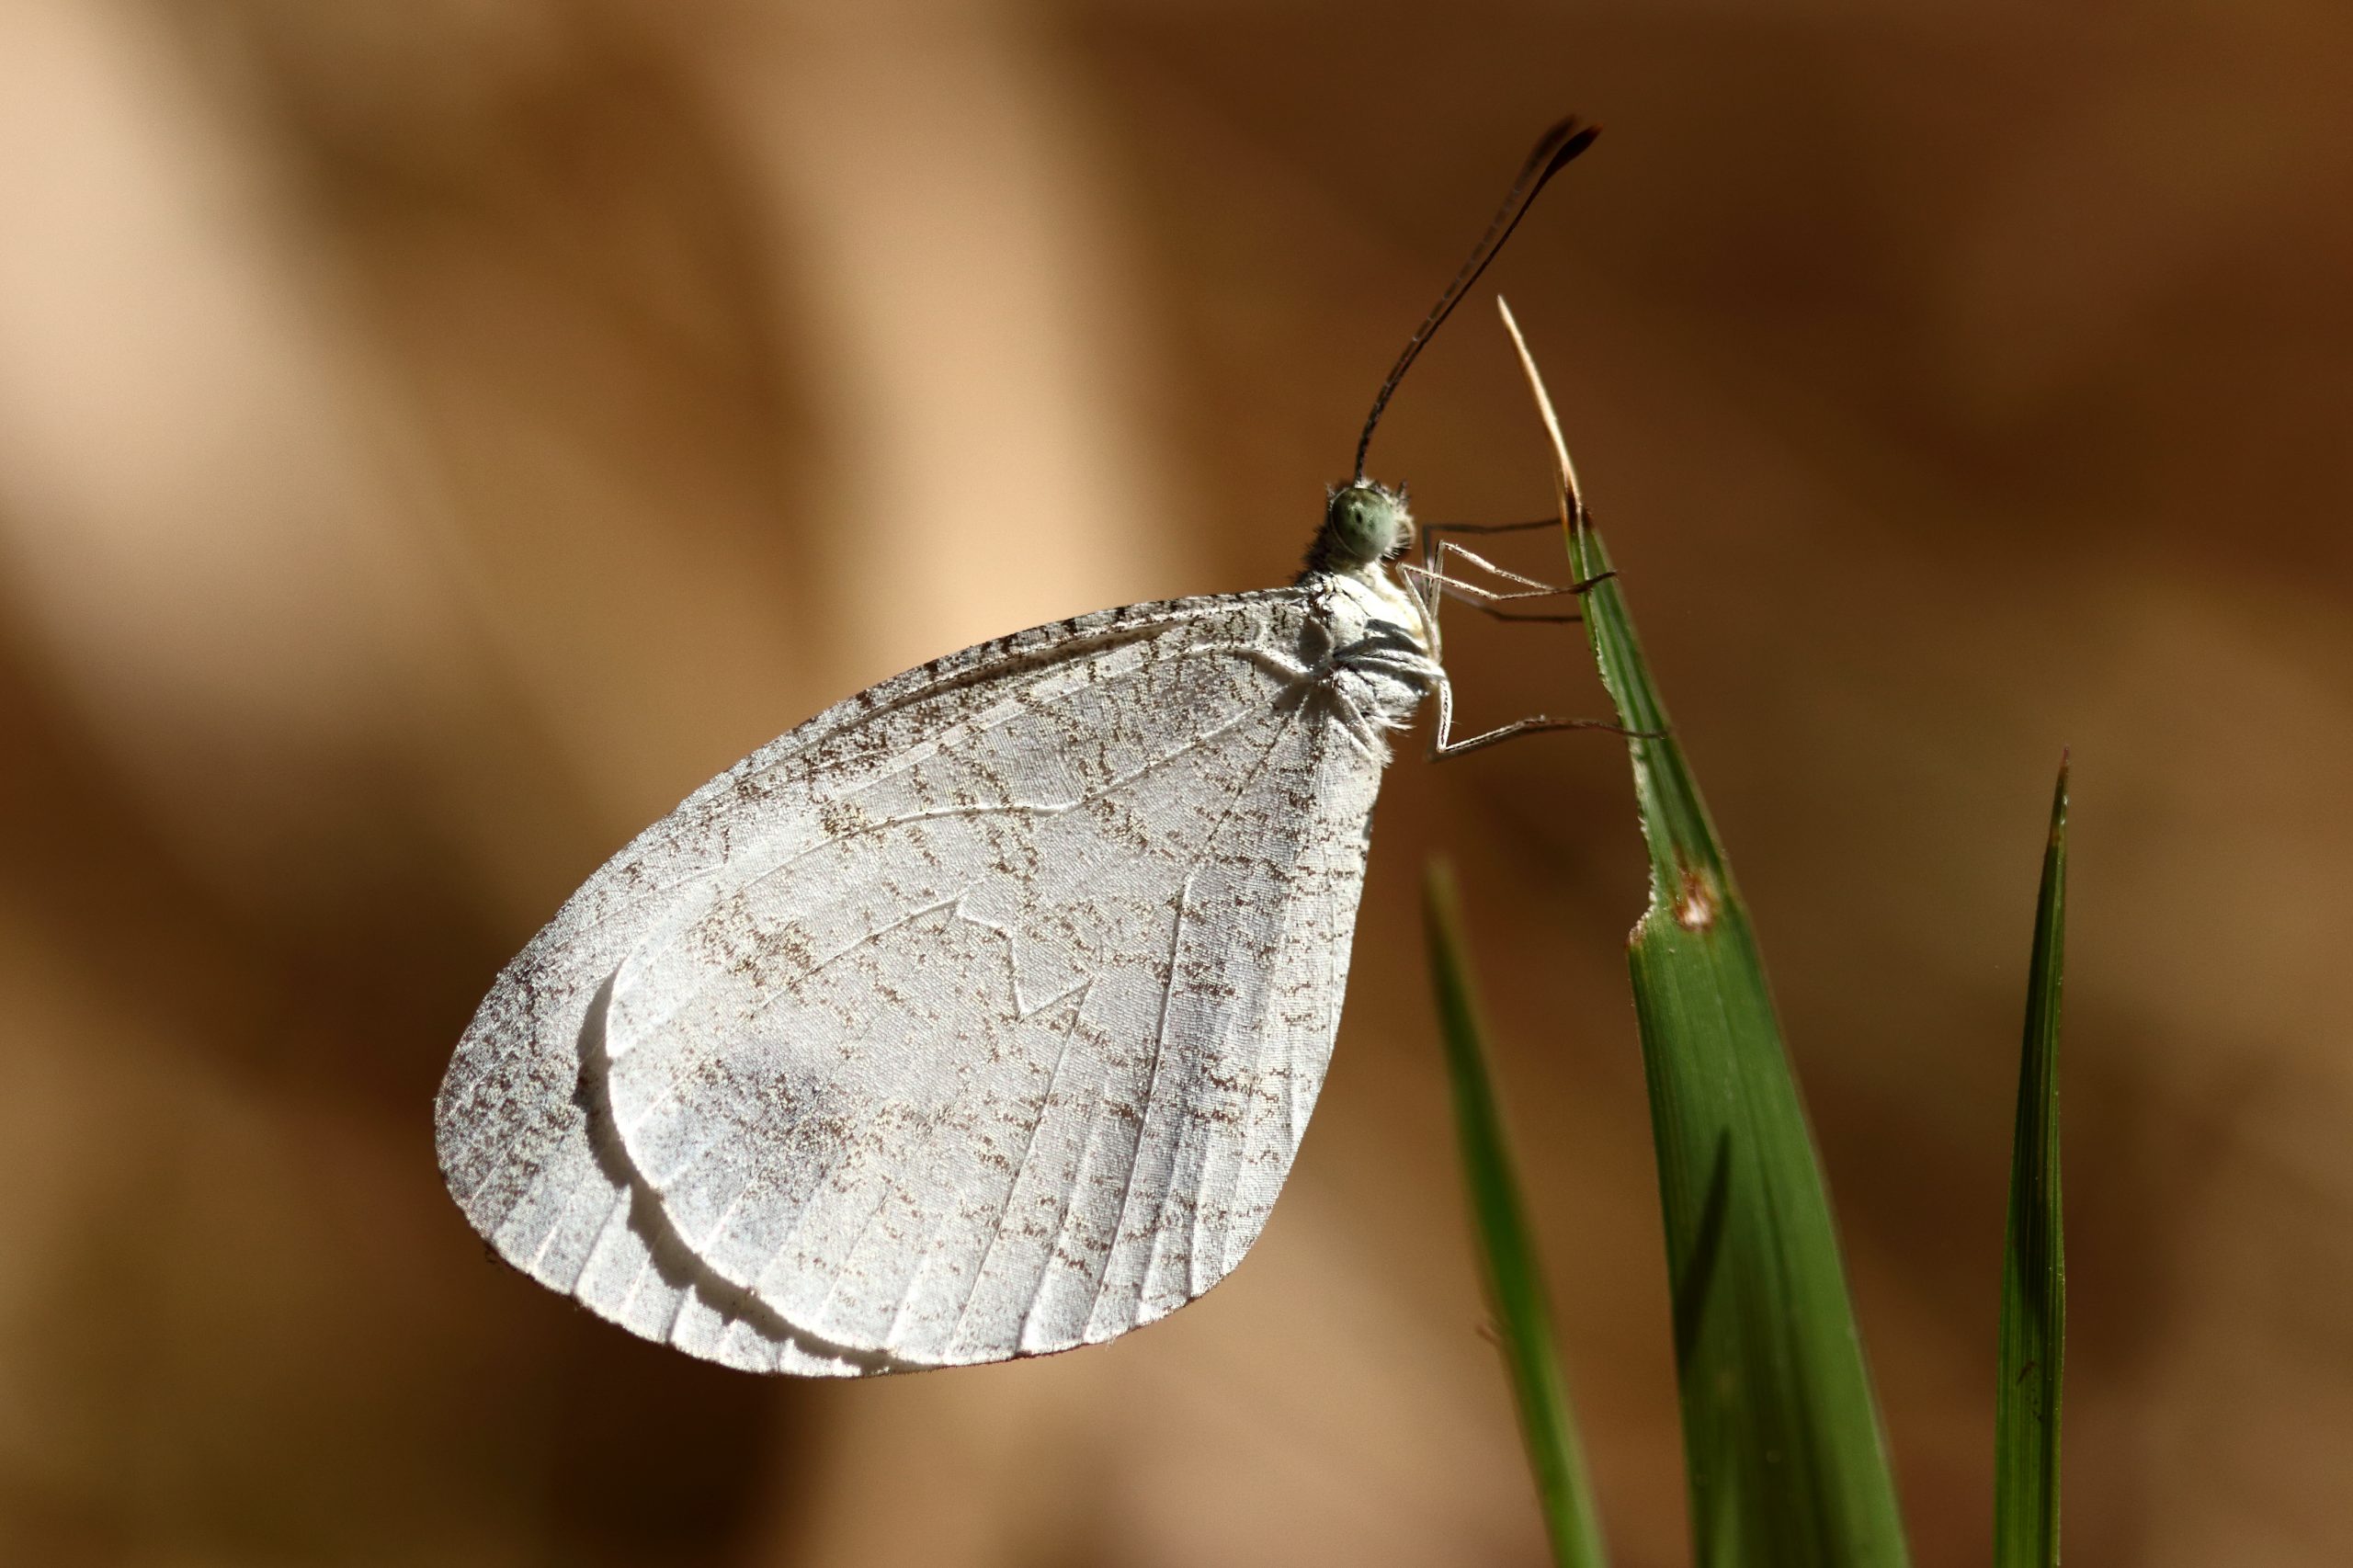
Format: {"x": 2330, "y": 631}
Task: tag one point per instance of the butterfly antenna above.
{"x": 1551, "y": 153}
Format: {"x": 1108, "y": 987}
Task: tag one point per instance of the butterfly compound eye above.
{"x": 1364, "y": 523}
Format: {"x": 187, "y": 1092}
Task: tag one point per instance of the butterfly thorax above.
{"x": 1380, "y": 656}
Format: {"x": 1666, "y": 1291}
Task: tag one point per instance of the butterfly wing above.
{"x": 980, "y": 1016}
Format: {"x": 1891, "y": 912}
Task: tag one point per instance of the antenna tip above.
{"x": 1563, "y": 142}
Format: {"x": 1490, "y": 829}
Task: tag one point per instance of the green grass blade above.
{"x": 1783, "y": 1456}
{"x": 2034, "y": 1264}
{"x": 1514, "y": 1275}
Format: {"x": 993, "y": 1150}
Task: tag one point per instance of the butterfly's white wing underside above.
{"x": 978, "y": 1017}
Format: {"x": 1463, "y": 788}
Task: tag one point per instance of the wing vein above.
{"x": 1160, "y": 1042}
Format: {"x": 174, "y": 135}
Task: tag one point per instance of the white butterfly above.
{"x": 981, "y": 1015}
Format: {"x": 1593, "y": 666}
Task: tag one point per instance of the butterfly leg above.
{"x": 1429, "y": 587}
{"x": 1495, "y": 602}
{"x": 1432, "y": 530}
{"x": 1436, "y": 547}
{"x": 1444, "y": 745}
{"x": 1442, "y": 742}
{"x": 1382, "y": 650}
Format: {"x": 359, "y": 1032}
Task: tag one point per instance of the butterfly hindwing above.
{"x": 978, "y": 1016}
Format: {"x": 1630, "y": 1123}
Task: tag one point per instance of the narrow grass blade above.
{"x": 1783, "y": 1455}
{"x": 1514, "y": 1275}
{"x": 2034, "y": 1263}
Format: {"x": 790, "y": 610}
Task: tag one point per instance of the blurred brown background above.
{"x": 436, "y": 436}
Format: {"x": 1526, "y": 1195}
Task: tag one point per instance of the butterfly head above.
{"x": 1364, "y": 522}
